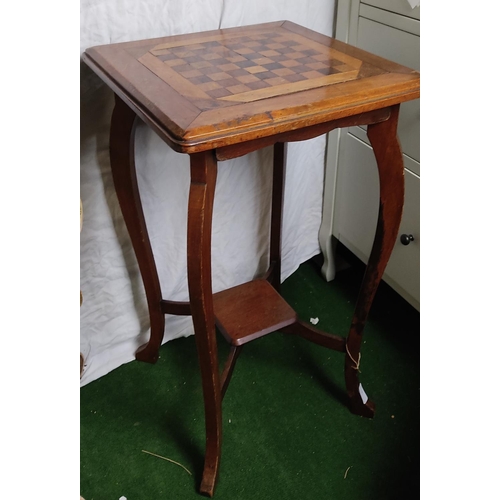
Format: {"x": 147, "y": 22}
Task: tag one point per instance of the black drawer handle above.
{"x": 406, "y": 239}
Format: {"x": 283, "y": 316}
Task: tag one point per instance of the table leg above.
{"x": 121, "y": 147}
{"x": 201, "y": 196}
{"x": 278, "y": 192}
{"x": 385, "y": 143}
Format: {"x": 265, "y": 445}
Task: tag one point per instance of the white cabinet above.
{"x": 391, "y": 29}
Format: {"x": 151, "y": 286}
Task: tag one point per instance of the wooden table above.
{"x": 219, "y": 95}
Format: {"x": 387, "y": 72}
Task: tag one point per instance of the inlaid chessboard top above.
{"x": 227, "y": 86}
{"x": 248, "y": 67}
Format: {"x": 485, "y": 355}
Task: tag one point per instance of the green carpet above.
{"x": 287, "y": 433}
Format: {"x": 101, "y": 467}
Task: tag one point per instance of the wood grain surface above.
{"x": 209, "y": 90}
{"x": 249, "y": 311}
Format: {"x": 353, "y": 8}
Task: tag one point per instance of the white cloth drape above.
{"x": 114, "y": 318}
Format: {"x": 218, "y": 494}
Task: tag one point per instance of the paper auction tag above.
{"x": 362, "y": 393}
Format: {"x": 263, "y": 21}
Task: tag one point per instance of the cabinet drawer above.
{"x": 355, "y": 216}
{"x": 402, "y": 23}
{"x": 389, "y": 42}
{"x": 403, "y": 48}
{"x": 397, "y": 6}
{"x": 410, "y": 163}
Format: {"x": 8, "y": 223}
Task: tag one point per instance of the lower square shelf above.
{"x": 249, "y": 311}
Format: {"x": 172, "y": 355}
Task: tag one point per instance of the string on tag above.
{"x": 356, "y": 363}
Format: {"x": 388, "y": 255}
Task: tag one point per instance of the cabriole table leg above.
{"x": 121, "y": 147}
{"x": 385, "y": 143}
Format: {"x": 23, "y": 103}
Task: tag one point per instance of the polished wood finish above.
{"x": 385, "y": 143}
{"x": 121, "y": 149}
{"x": 222, "y": 94}
{"x": 192, "y": 89}
{"x": 302, "y": 134}
{"x": 175, "y": 308}
{"x": 249, "y": 311}
{"x": 309, "y": 332}
{"x": 234, "y": 352}
{"x": 200, "y": 205}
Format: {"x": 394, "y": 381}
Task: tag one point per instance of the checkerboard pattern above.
{"x": 248, "y": 63}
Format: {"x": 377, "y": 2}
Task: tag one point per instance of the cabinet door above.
{"x": 390, "y": 29}
{"x": 356, "y": 210}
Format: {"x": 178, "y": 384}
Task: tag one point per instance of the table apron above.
{"x": 302, "y": 134}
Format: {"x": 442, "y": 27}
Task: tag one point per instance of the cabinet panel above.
{"x": 356, "y": 210}
{"x": 398, "y": 6}
{"x": 393, "y": 44}
{"x": 390, "y": 29}
{"x": 356, "y": 196}
{"x": 403, "y": 269}
{"x": 403, "y": 48}
{"x": 390, "y": 19}
{"x": 410, "y": 163}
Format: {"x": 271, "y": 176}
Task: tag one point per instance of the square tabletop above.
{"x": 206, "y": 90}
